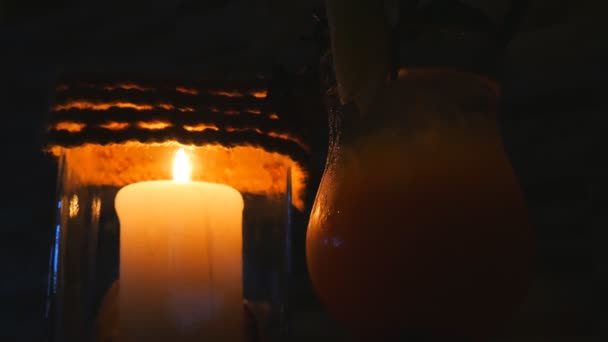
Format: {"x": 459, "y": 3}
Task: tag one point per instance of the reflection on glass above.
{"x": 56, "y": 257}
{"x": 95, "y": 209}
{"x": 74, "y": 207}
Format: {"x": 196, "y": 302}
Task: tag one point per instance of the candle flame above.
{"x": 181, "y": 167}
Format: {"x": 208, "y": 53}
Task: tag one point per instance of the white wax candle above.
{"x": 180, "y": 260}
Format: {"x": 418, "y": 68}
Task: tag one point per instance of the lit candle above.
{"x": 180, "y": 260}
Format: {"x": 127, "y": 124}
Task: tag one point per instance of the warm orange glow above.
{"x": 100, "y": 106}
{"x": 231, "y": 112}
{"x": 200, "y": 128}
{"x": 115, "y": 126}
{"x": 181, "y": 167}
{"x": 69, "y": 126}
{"x": 153, "y": 125}
{"x": 166, "y": 106}
{"x": 214, "y": 109}
{"x": 247, "y": 169}
{"x": 233, "y": 129}
{"x": 260, "y": 94}
{"x": 273, "y": 116}
{"x": 126, "y": 86}
{"x": 254, "y": 111}
{"x": 226, "y": 93}
{"x": 185, "y": 109}
{"x": 185, "y": 90}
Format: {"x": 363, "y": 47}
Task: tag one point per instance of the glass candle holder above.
{"x": 174, "y": 203}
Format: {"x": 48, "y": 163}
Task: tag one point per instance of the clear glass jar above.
{"x": 141, "y": 253}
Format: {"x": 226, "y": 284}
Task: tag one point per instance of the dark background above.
{"x": 554, "y": 123}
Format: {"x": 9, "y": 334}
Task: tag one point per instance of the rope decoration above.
{"x": 106, "y": 109}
